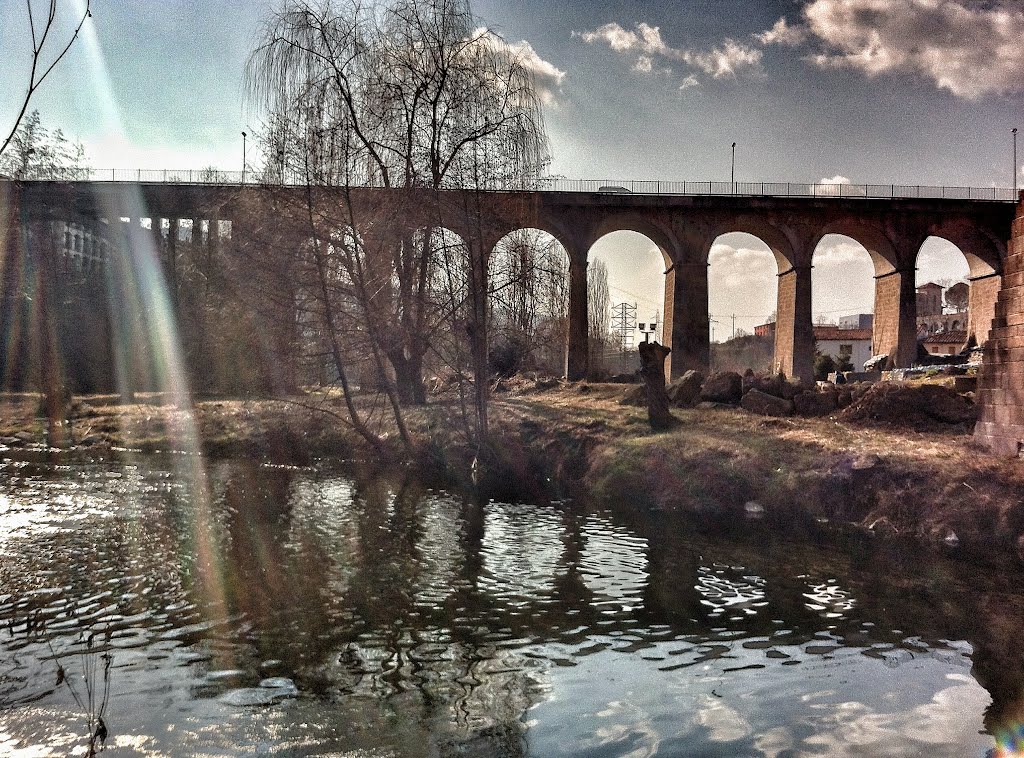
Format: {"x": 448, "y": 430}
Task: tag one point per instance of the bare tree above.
{"x": 599, "y": 310}
{"x": 42, "y": 32}
{"x": 412, "y": 96}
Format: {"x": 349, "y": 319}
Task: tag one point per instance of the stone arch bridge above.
{"x": 684, "y": 228}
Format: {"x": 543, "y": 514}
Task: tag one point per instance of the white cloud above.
{"x": 726, "y": 61}
{"x": 645, "y": 42}
{"x": 970, "y": 48}
{"x": 547, "y": 76}
{"x": 782, "y": 34}
{"x": 843, "y": 254}
{"x": 644, "y": 64}
{"x": 688, "y": 82}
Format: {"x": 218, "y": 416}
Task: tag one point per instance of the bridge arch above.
{"x": 528, "y": 292}
{"x": 654, "y": 229}
{"x": 777, "y": 239}
{"x": 743, "y": 289}
{"x": 634, "y": 264}
{"x": 845, "y": 279}
{"x": 885, "y": 258}
{"x": 959, "y": 252}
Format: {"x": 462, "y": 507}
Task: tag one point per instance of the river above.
{"x": 247, "y": 609}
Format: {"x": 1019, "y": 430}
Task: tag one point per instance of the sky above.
{"x": 865, "y": 91}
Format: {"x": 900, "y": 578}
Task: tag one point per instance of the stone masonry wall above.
{"x": 1000, "y": 424}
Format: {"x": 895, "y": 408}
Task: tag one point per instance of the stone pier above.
{"x": 1000, "y": 424}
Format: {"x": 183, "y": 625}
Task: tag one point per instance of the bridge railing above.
{"x": 561, "y": 184}
{"x": 777, "y": 189}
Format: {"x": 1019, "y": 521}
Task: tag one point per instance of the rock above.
{"x": 951, "y": 540}
{"x": 90, "y": 439}
{"x": 500, "y": 386}
{"x": 816, "y": 403}
{"x": 753, "y": 509}
{"x": 635, "y": 396}
{"x": 686, "y": 389}
{"x": 11, "y": 441}
{"x": 24, "y": 436}
{"x": 764, "y": 404}
{"x": 708, "y": 405}
{"x": 545, "y": 383}
{"x": 876, "y": 363}
{"x": 723, "y": 387}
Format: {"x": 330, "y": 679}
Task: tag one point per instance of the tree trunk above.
{"x": 412, "y": 390}
{"x": 652, "y": 360}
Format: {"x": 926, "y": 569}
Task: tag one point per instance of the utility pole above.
{"x": 734, "y": 326}
{"x": 244, "y": 135}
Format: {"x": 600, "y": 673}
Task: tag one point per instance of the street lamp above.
{"x": 243, "y": 157}
{"x": 1013, "y": 131}
{"x": 733, "y": 174}
{"x": 647, "y": 329}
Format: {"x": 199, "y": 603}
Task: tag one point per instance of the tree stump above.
{"x": 652, "y": 369}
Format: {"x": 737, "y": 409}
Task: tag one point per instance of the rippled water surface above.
{"x": 303, "y": 612}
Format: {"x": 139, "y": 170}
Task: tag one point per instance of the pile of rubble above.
{"x": 888, "y": 402}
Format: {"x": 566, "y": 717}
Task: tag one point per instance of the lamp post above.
{"x": 1013, "y": 131}
{"x": 647, "y": 328}
{"x": 732, "y": 175}
{"x": 243, "y": 157}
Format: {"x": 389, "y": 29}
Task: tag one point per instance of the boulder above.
{"x": 723, "y": 387}
{"x": 816, "y": 403}
{"x": 764, "y": 404}
{"x": 877, "y": 363}
{"x": 686, "y": 389}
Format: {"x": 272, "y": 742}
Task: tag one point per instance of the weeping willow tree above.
{"x": 415, "y": 97}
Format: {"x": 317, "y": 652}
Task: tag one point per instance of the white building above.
{"x": 854, "y": 344}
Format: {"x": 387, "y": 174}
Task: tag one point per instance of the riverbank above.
{"x": 723, "y": 464}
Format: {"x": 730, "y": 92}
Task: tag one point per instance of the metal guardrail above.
{"x": 558, "y": 184}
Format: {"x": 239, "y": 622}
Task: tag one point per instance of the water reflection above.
{"x": 379, "y": 616}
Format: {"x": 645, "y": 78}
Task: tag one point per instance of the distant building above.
{"x": 932, "y": 318}
{"x": 84, "y": 246}
{"x": 857, "y": 321}
{"x": 929, "y": 300}
{"x": 945, "y": 343}
{"x": 854, "y": 344}
{"x": 765, "y": 330}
